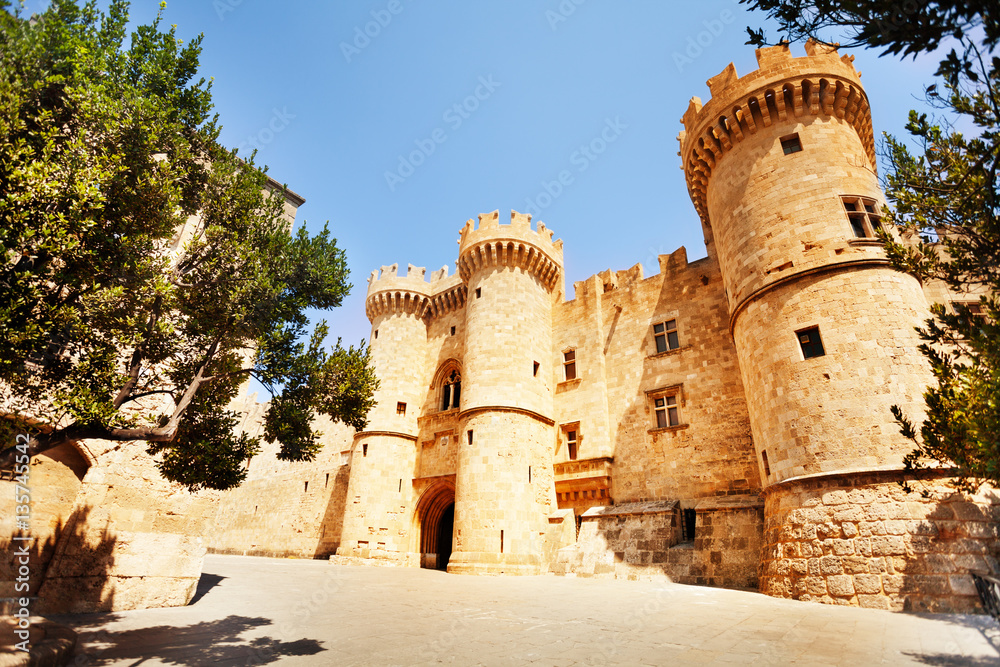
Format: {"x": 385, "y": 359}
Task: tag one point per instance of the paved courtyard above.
{"x": 257, "y": 611}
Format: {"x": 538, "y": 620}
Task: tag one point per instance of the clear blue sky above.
{"x": 554, "y": 80}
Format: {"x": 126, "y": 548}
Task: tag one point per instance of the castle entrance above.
{"x": 436, "y": 513}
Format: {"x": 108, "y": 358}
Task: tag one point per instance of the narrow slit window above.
{"x": 791, "y": 144}
{"x": 453, "y": 331}
{"x": 534, "y": 369}
{"x": 811, "y": 343}
{"x": 305, "y": 489}
{"x": 469, "y": 435}
{"x": 479, "y": 292}
{"x": 767, "y": 467}
{"x": 569, "y": 364}
{"x": 364, "y": 449}
{"x": 327, "y": 483}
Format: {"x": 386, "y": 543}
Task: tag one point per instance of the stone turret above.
{"x": 384, "y": 454}
{"x": 780, "y": 165}
{"x": 504, "y": 479}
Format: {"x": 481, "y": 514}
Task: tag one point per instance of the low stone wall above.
{"x": 642, "y": 540}
{"x": 729, "y": 537}
{"x": 133, "y": 540}
{"x": 861, "y": 540}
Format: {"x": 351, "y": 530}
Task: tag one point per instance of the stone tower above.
{"x": 383, "y": 455}
{"x": 780, "y": 165}
{"x": 504, "y": 481}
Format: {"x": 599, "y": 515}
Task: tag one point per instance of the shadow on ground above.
{"x": 205, "y": 584}
{"x": 943, "y": 660}
{"x": 204, "y": 643}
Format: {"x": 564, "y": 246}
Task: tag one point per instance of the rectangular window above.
{"x": 791, "y": 144}
{"x": 667, "y": 412}
{"x": 863, "y": 214}
{"x": 400, "y": 408}
{"x": 453, "y": 331}
{"x": 569, "y": 364}
{"x": 812, "y": 345}
{"x": 571, "y": 445}
{"x": 479, "y": 292}
{"x": 665, "y": 336}
{"x": 974, "y": 307}
{"x": 469, "y": 434}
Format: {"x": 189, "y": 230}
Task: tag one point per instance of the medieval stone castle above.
{"x": 724, "y": 422}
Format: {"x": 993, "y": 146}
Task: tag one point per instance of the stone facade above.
{"x": 724, "y": 422}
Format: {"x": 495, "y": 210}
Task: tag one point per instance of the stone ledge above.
{"x": 631, "y": 509}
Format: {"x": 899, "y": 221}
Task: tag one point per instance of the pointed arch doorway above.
{"x": 436, "y": 514}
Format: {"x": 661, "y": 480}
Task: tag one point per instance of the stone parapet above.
{"x": 820, "y": 84}
{"x": 516, "y": 244}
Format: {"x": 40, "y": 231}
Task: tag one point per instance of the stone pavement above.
{"x": 257, "y": 611}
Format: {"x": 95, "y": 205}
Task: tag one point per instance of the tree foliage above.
{"x": 147, "y": 271}
{"x": 946, "y": 204}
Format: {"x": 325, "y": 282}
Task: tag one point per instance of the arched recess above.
{"x": 435, "y": 520}
{"x": 446, "y": 387}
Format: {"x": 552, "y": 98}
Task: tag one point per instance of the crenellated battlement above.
{"x": 822, "y": 83}
{"x": 389, "y": 291}
{"x": 514, "y": 244}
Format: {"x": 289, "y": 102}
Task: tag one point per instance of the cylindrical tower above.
{"x": 780, "y": 165}
{"x": 504, "y": 482}
{"x": 384, "y": 454}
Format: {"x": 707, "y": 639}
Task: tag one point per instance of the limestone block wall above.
{"x": 504, "y": 493}
{"x": 774, "y": 215}
{"x": 832, "y": 412}
{"x": 861, "y": 540}
{"x": 286, "y": 509}
{"x": 729, "y": 540}
{"x": 710, "y": 452}
{"x": 378, "y": 507}
{"x": 54, "y": 480}
{"x": 134, "y": 540}
{"x": 643, "y": 540}
{"x": 439, "y": 444}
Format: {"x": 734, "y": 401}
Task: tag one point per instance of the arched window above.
{"x": 451, "y": 390}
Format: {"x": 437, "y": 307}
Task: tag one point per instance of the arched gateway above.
{"x": 435, "y": 517}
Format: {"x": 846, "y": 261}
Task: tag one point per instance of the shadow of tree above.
{"x": 205, "y": 643}
{"x": 66, "y": 570}
{"x": 944, "y": 660}
{"x": 77, "y": 575}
